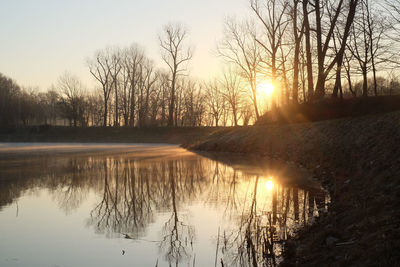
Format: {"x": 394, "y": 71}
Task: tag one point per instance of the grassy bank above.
{"x": 105, "y": 134}
{"x": 358, "y": 160}
{"x": 331, "y": 108}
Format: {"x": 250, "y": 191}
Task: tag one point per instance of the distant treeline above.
{"x": 23, "y": 107}
{"x": 306, "y": 50}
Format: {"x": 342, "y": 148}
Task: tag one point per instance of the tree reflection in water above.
{"x": 177, "y": 235}
{"x": 267, "y": 219}
{"x": 125, "y": 206}
{"x": 256, "y": 215}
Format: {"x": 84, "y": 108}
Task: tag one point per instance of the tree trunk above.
{"x": 105, "y": 112}
{"x": 295, "y": 86}
{"x": 116, "y": 122}
{"x": 235, "y": 120}
{"x": 338, "y": 82}
{"x": 365, "y": 80}
{"x": 253, "y": 89}
{"x": 172, "y": 101}
{"x": 297, "y": 39}
{"x": 310, "y": 80}
{"x": 320, "y": 86}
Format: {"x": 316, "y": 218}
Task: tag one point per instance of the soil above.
{"x": 47, "y": 133}
{"x": 358, "y": 161}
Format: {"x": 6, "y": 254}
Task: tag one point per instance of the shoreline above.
{"x": 358, "y": 161}
{"x": 32, "y": 151}
{"x": 64, "y": 134}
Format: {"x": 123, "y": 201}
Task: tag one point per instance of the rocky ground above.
{"x": 358, "y": 161}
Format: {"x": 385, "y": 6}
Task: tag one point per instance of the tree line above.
{"x": 311, "y": 49}
{"x": 306, "y": 49}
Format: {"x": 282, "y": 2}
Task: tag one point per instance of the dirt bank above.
{"x": 358, "y": 160}
{"x": 46, "y": 133}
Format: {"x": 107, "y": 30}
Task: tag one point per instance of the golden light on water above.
{"x": 269, "y": 185}
{"x": 266, "y": 88}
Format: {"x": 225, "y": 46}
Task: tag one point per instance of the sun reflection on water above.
{"x": 174, "y": 204}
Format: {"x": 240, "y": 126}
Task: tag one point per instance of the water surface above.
{"x": 143, "y": 205}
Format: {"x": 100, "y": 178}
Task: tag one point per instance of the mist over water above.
{"x": 148, "y": 205}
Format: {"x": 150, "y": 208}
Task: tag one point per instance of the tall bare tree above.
{"x": 72, "y": 93}
{"x": 340, "y": 44}
{"x": 134, "y": 58}
{"x": 309, "y": 60}
{"x": 239, "y": 48}
{"x": 360, "y": 46}
{"x": 175, "y": 55}
{"x": 146, "y": 89}
{"x": 233, "y": 93}
{"x": 298, "y": 33}
{"x": 393, "y": 8}
{"x": 323, "y": 44}
{"x": 215, "y": 100}
{"x": 271, "y": 14}
{"x": 100, "y": 68}
{"x": 378, "y": 30}
{"x": 115, "y": 69}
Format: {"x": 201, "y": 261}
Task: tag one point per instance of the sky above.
{"x": 41, "y": 39}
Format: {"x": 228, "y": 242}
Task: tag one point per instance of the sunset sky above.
{"x": 41, "y": 39}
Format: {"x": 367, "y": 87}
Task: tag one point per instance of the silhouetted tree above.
{"x": 176, "y": 56}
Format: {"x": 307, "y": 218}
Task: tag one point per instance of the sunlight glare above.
{"x": 266, "y": 88}
{"x": 269, "y": 185}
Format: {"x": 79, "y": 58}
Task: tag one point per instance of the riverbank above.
{"x": 358, "y": 161}
{"x": 54, "y": 134}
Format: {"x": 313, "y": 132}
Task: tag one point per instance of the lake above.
{"x": 148, "y": 205}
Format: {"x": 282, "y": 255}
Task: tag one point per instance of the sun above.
{"x": 269, "y": 185}
{"x": 266, "y": 88}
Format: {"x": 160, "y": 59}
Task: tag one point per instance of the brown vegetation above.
{"x": 331, "y": 108}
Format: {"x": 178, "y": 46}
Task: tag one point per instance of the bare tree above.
{"x": 49, "y": 106}
{"x": 72, "y": 91}
{"x": 115, "y": 68}
{"x": 245, "y": 113}
{"x": 271, "y": 15}
{"x": 194, "y": 104}
{"x": 360, "y": 46}
{"x": 100, "y": 68}
{"x": 340, "y": 47}
{"x": 393, "y": 8}
{"x": 378, "y": 30}
{"x": 10, "y": 108}
{"x": 175, "y": 55}
{"x": 134, "y": 58}
{"x": 233, "y": 92}
{"x": 95, "y": 108}
{"x": 164, "y": 98}
{"x": 323, "y": 44}
{"x": 146, "y": 89}
{"x": 307, "y": 36}
{"x": 215, "y": 100}
{"x": 239, "y": 48}
{"x": 297, "y": 37}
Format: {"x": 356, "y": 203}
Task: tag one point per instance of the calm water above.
{"x": 148, "y": 205}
